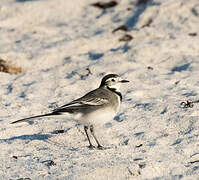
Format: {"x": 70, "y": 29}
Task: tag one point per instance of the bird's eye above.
{"x": 113, "y": 80}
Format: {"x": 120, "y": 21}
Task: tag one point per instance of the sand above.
{"x": 54, "y": 43}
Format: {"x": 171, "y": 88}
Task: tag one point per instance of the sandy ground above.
{"x": 54, "y": 42}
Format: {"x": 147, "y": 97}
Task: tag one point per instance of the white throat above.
{"x": 116, "y": 87}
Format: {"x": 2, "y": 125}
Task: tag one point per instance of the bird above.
{"x": 91, "y": 109}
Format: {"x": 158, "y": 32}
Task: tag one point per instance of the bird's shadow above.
{"x": 22, "y": 1}
{"x": 39, "y": 136}
{"x": 31, "y": 137}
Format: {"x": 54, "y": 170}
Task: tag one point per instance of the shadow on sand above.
{"x": 21, "y": 1}
{"x": 132, "y": 21}
{"x": 31, "y": 137}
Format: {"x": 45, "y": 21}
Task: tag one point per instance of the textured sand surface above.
{"x": 54, "y": 42}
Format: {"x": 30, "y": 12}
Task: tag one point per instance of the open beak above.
{"x": 124, "y": 81}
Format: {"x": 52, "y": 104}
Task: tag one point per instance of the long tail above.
{"x": 33, "y": 117}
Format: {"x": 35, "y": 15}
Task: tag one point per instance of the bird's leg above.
{"x": 92, "y": 132}
{"x": 86, "y": 131}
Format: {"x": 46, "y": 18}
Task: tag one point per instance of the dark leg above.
{"x": 92, "y": 132}
{"x": 86, "y": 131}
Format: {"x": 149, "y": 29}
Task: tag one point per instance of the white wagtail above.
{"x": 101, "y": 103}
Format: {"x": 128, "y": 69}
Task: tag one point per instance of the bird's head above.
{"x": 112, "y": 81}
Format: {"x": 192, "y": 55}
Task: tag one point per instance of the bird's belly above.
{"x": 98, "y": 117}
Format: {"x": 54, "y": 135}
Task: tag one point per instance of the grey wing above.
{"x": 90, "y": 100}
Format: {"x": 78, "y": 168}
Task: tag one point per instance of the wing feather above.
{"x": 91, "y": 99}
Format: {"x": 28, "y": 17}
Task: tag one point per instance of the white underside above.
{"x": 95, "y": 118}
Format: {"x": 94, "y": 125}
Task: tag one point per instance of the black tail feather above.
{"x": 33, "y": 117}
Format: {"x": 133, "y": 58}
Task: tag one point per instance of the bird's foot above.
{"x": 91, "y": 147}
{"x": 101, "y": 147}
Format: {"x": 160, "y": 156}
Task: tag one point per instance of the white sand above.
{"x": 151, "y": 138}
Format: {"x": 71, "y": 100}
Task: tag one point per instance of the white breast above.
{"x": 98, "y": 117}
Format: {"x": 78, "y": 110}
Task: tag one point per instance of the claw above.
{"x": 102, "y": 147}
{"x": 91, "y": 147}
